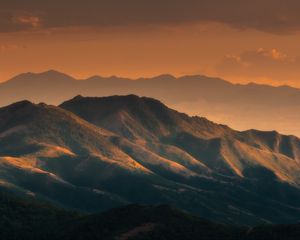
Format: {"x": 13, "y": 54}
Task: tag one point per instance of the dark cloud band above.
{"x": 279, "y": 16}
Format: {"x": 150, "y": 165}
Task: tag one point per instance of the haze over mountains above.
{"x": 91, "y": 154}
{"x": 193, "y": 144}
{"x": 240, "y": 106}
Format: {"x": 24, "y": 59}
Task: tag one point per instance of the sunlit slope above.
{"x": 122, "y": 150}
{"x": 48, "y": 151}
{"x": 175, "y": 135}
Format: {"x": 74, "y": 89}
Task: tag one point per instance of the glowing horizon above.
{"x": 237, "y": 42}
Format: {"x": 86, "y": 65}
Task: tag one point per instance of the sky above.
{"x": 238, "y": 40}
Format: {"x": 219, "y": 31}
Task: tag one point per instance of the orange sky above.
{"x": 215, "y": 48}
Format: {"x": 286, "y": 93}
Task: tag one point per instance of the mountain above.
{"x": 240, "y": 106}
{"x": 33, "y": 136}
{"x": 92, "y": 154}
{"x": 150, "y": 123}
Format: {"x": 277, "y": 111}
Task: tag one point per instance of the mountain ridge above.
{"x": 148, "y": 154}
{"x": 185, "y": 126}
{"x": 219, "y": 100}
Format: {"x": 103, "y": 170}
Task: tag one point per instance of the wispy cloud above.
{"x": 261, "y": 63}
{"x": 9, "y": 47}
{"x": 28, "y": 20}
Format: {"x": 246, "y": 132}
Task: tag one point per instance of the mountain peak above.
{"x": 76, "y": 98}
{"x": 53, "y": 74}
{"x": 137, "y": 117}
{"x": 19, "y": 105}
{"x": 139, "y": 113}
{"x": 123, "y": 100}
{"x": 164, "y": 77}
{"x": 52, "y": 71}
{"x": 17, "y": 114}
{"x": 49, "y": 75}
{"x": 132, "y": 104}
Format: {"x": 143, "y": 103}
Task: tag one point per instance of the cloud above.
{"x": 28, "y": 20}
{"x": 275, "y": 16}
{"x": 261, "y": 63}
{"x": 9, "y": 47}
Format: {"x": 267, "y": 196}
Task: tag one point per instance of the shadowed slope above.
{"x": 148, "y": 121}
{"x": 45, "y": 145}
{"x": 27, "y": 218}
{"x": 51, "y": 153}
{"x": 168, "y": 157}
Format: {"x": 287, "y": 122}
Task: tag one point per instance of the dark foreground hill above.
{"x": 32, "y": 220}
{"x": 28, "y": 218}
{"x": 163, "y": 222}
{"x": 92, "y": 154}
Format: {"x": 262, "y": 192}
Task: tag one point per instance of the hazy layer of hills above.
{"x": 30, "y": 220}
{"x": 240, "y": 106}
{"x": 92, "y": 154}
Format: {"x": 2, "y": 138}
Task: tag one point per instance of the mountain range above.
{"x": 240, "y": 106}
{"x": 90, "y": 154}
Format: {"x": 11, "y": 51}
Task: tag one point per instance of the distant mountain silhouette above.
{"x": 92, "y": 154}
{"x": 241, "y": 106}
